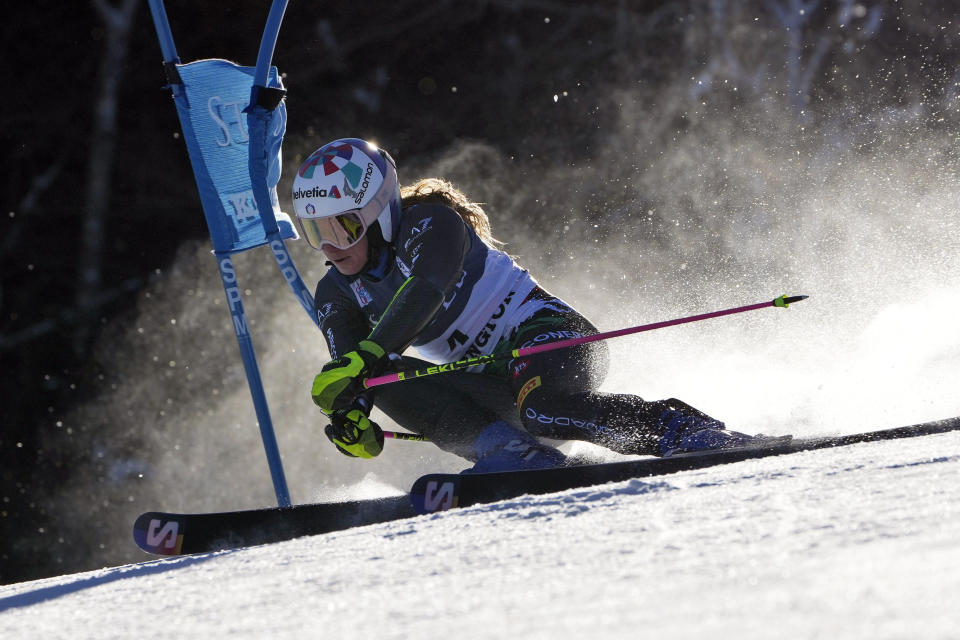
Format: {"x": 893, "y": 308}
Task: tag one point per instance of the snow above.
{"x": 855, "y": 542}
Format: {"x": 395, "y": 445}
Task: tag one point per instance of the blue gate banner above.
{"x": 211, "y": 109}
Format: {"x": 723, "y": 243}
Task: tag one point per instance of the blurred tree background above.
{"x": 98, "y": 193}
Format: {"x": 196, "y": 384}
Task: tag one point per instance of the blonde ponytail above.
{"x": 439, "y": 191}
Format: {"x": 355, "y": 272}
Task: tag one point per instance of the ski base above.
{"x": 183, "y": 533}
{"x": 443, "y": 491}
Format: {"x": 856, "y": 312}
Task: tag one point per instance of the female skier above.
{"x": 419, "y": 267}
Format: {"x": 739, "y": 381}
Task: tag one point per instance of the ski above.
{"x": 442, "y": 491}
{"x": 172, "y": 534}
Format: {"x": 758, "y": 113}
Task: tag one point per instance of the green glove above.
{"x": 354, "y": 434}
{"x": 340, "y": 381}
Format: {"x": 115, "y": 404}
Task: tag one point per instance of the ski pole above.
{"x": 782, "y": 302}
{"x": 400, "y": 435}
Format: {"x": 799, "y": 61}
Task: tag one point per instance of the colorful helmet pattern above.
{"x": 342, "y": 189}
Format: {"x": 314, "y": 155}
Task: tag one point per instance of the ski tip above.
{"x": 785, "y": 301}
{"x": 435, "y": 492}
{"x": 159, "y": 533}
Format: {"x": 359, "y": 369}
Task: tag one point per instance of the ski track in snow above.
{"x": 855, "y": 542}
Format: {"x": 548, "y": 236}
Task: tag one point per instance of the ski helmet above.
{"x": 342, "y": 189}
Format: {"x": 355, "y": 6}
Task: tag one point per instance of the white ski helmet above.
{"x": 342, "y": 189}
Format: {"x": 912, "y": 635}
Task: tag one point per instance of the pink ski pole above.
{"x": 783, "y": 302}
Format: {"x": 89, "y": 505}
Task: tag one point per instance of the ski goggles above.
{"x": 344, "y": 230}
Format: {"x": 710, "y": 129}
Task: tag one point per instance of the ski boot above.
{"x": 686, "y": 429}
{"x": 502, "y": 447}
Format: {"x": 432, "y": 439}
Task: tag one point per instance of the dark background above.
{"x": 98, "y": 194}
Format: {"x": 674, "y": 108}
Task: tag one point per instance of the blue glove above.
{"x": 340, "y": 381}
{"x": 354, "y": 434}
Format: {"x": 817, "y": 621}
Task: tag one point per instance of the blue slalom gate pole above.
{"x": 164, "y": 34}
{"x": 265, "y": 151}
{"x": 254, "y": 381}
{"x": 215, "y": 141}
{"x": 268, "y": 42}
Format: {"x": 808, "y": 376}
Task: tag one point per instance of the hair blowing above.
{"x": 439, "y": 191}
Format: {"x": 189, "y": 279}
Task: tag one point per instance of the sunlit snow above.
{"x": 856, "y": 542}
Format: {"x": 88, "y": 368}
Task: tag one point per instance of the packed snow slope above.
{"x": 855, "y": 542}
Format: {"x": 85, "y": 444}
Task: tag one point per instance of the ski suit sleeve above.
{"x": 433, "y": 244}
{"x": 341, "y": 321}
